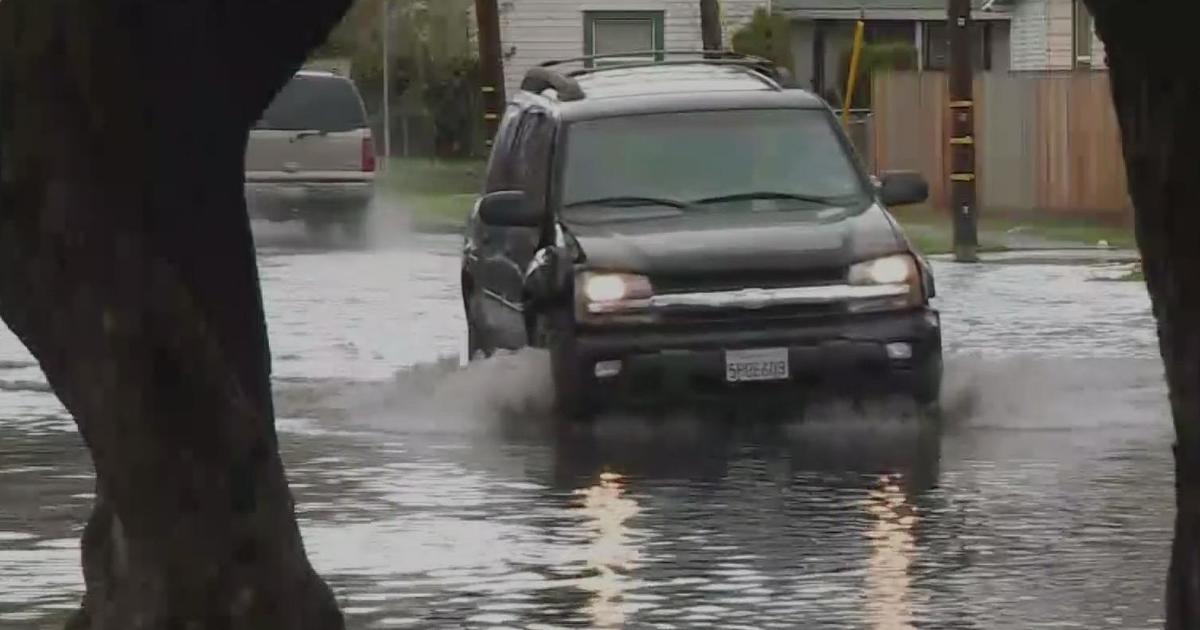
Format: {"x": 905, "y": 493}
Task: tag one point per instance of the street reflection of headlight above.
{"x": 615, "y": 287}
{"x": 898, "y": 269}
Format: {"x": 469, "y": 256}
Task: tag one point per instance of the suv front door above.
{"x": 504, "y": 253}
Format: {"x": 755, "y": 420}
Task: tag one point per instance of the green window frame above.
{"x": 590, "y": 18}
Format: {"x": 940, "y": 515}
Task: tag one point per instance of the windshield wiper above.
{"x": 630, "y": 202}
{"x": 749, "y": 196}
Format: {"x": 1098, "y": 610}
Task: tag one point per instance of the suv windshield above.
{"x": 328, "y": 104}
{"x": 765, "y": 159}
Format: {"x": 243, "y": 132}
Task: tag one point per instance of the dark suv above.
{"x": 690, "y": 221}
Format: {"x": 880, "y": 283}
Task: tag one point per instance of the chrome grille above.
{"x": 736, "y": 280}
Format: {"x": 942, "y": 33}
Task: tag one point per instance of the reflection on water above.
{"x": 433, "y": 496}
{"x": 610, "y": 556}
{"x": 893, "y": 546}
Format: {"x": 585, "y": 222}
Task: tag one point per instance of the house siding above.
{"x": 1043, "y": 37}
{"x": 1059, "y": 35}
{"x": 533, "y": 31}
{"x": 1099, "y": 59}
{"x": 1029, "y": 31}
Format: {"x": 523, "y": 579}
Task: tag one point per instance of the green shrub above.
{"x": 883, "y": 57}
{"x": 767, "y": 36}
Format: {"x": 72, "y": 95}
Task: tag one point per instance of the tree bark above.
{"x": 1156, "y": 91}
{"x": 127, "y": 267}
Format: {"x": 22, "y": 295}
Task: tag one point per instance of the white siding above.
{"x": 533, "y": 31}
{"x": 1043, "y": 36}
{"x": 735, "y": 14}
{"x": 1060, "y": 39}
{"x": 1029, "y": 29}
{"x": 1099, "y": 61}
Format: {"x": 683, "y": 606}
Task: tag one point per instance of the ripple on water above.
{"x": 1044, "y": 496}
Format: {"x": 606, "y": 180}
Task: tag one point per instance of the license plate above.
{"x": 765, "y": 364}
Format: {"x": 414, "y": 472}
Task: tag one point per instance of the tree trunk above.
{"x": 127, "y": 267}
{"x": 710, "y": 24}
{"x": 1156, "y": 90}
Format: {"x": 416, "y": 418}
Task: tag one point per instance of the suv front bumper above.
{"x": 845, "y": 354}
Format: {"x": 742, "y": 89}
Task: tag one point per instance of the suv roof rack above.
{"x": 661, "y": 56}
{"x": 545, "y": 76}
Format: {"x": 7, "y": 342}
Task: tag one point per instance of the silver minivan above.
{"x": 311, "y": 156}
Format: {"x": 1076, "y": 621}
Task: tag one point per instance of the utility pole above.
{"x": 962, "y": 132}
{"x": 386, "y": 34}
{"x": 710, "y": 25}
{"x": 487, "y": 14}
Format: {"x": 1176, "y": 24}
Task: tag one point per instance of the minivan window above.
{"x": 328, "y": 104}
{"x": 764, "y": 159}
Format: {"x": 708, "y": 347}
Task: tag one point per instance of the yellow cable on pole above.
{"x": 852, "y": 80}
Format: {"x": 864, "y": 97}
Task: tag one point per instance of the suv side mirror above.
{"x": 900, "y": 188}
{"x": 508, "y": 208}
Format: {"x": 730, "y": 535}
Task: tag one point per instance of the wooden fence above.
{"x": 1044, "y": 143}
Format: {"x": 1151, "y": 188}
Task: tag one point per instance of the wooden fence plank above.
{"x": 1044, "y": 142}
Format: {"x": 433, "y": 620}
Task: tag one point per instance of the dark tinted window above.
{"x": 313, "y": 102}
{"x": 531, "y": 155}
{"x": 500, "y": 167}
{"x": 688, "y": 156}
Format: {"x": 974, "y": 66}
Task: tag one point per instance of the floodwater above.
{"x": 437, "y": 496}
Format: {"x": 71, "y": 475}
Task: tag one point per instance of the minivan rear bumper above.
{"x": 308, "y": 200}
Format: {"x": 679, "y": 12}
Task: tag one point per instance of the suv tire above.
{"x": 927, "y": 382}
{"x": 574, "y": 387}
{"x": 477, "y": 347}
{"x": 355, "y": 230}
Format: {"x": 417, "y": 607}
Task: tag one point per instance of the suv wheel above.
{"x": 927, "y": 382}
{"x": 355, "y": 231}
{"x": 477, "y": 346}
{"x": 574, "y": 387}
{"x": 319, "y": 232}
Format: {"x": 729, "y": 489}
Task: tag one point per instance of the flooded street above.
{"x": 437, "y": 496}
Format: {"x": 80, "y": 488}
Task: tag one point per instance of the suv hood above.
{"x": 726, "y": 242}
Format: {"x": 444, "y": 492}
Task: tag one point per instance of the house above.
{"x": 533, "y": 31}
{"x": 822, "y": 34}
{"x": 1051, "y": 35}
{"x": 1009, "y": 35}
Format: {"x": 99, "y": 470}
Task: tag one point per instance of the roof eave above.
{"x": 915, "y": 15}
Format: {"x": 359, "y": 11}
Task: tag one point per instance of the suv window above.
{"x": 531, "y": 157}
{"x": 693, "y": 156}
{"x": 329, "y": 104}
{"x": 500, "y": 166}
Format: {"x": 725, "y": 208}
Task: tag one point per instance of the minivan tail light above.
{"x": 368, "y": 155}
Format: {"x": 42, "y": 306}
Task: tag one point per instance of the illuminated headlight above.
{"x": 899, "y": 271}
{"x": 607, "y": 292}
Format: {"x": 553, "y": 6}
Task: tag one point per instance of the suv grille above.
{"x": 735, "y": 280}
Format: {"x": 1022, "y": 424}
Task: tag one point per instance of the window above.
{"x": 500, "y": 174}
{"x": 891, "y": 32}
{"x": 691, "y": 156}
{"x": 937, "y": 46}
{"x": 614, "y": 32}
{"x": 329, "y": 104}
{"x": 1082, "y": 27}
{"x": 531, "y": 156}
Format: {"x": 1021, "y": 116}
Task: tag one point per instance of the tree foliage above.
{"x": 882, "y": 57}
{"x": 433, "y": 67}
{"x": 768, "y": 36}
